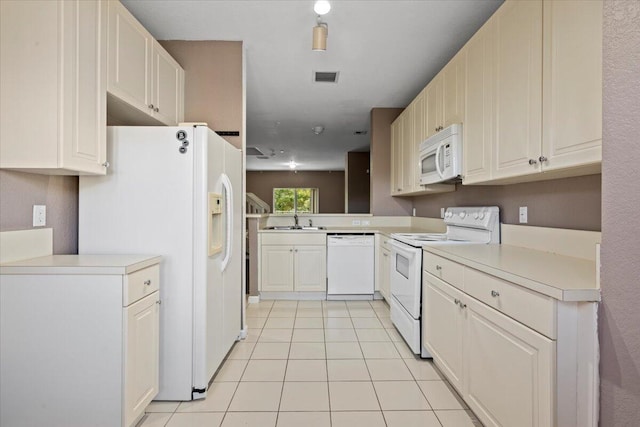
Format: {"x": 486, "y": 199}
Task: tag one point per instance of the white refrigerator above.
{"x": 175, "y": 192}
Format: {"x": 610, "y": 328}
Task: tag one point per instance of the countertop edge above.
{"x": 567, "y": 295}
{"x": 51, "y": 265}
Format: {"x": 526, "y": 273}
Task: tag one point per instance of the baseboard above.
{"x": 254, "y": 299}
{"x": 293, "y": 295}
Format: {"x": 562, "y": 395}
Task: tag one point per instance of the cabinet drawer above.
{"x": 385, "y": 242}
{"x": 444, "y": 269}
{"x": 139, "y": 284}
{"x": 535, "y": 310}
{"x": 295, "y": 238}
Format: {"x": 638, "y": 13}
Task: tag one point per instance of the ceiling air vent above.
{"x": 360, "y": 132}
{"x": 253, "y": 151}
{"x": 262, "y": 157}
{"x": 326, "y": 76}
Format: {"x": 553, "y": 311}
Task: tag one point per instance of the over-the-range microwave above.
{"x": 441, "y": 156}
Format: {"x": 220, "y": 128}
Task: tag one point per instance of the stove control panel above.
{"x": 482, "y": 217}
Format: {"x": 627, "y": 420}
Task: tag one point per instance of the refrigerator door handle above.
{"x": 228, "y": 205}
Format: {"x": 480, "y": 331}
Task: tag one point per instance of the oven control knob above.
{"x": 481, "y": 215}
{"x": 462, "y": 214}
{"x": 476, "y": 215}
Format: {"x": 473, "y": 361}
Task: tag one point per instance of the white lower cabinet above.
{"x": 503, "y": 369}
{"x": 79, "y": 340}
{"x": 383, "y": 266}
{"x": 517, "y": 357}
{"x": 509, "y": 369}
{"x": 293, "y": 262}
{"x": 443, "y": 327}
{"x": 142, "y": 332}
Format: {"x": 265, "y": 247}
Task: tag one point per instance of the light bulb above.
{"x": 292, "y": 164}
{"x": 322, "y": 7}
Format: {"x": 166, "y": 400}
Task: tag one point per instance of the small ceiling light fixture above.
{"x": 321, "y": 30}
{"x": 292, "y": 164}
{"x": 318, "y": 129}
{"x": 322, "y": 7}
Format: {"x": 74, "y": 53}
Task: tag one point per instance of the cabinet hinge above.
{"x": 199, "y": 390}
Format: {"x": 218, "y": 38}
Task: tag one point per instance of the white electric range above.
{"x": 465, "y": 225}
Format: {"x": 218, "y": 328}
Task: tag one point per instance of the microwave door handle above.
{"x": 438, "y": 169}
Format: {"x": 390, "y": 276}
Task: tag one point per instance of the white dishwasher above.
{"x": 350, "y": 266}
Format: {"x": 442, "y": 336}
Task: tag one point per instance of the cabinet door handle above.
{"x": 296, "y": 250}
{"x": 542, "y": 159}
{"x": 456, "y": 301}
{"x": 290, "y": 250}
{"x": 385, "y": 255}
{"x": 156, "y": 109}
{"x": 150, "y": 106}
{"x": 495, "y": 294}
{"x": 533, "y": 162}
{"x": 158, "y": 302}
{"x": 438, "y": 267}
{"x": 147, "y": 282}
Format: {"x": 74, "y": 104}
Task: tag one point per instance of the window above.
{"x": 295, "y": 200}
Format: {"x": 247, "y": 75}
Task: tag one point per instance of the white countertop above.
{"x": 561, "y": 277}
{"x": 382, "y": 230}
{"x": 81, "y": 264}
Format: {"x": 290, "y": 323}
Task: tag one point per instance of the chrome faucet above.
{"x": 295, "y": 218}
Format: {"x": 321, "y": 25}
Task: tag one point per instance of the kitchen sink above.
{"x": 293, "y": 227}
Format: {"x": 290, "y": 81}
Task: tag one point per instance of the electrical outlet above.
{"x": 441, "y": 212}
{"x": 39, "y": 215}
{"x": 523, "y": 215}
{"x": 355, "y": 222}
{"x": 366, "y": 222}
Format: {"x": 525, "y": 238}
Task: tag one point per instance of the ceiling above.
{"x": 385, "y": 51}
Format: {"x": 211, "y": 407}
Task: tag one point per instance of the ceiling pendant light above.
{"x": 320, "y": 31}
{"x": 318, "y": 129}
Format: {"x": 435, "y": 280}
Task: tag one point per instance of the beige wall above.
{"x": 357, "y": 182}
{"x": 20, "y": 191}
{"x": 330, "y": 185}
{"x": 381, "y": 201}
{"x": 213, "y": 83}
{"x": 620, "y": 278}
{"x": 563, "y": 203}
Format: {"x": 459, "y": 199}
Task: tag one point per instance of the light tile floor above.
{"x": 320, "y": 364}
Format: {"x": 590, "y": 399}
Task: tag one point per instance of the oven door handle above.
{"x": 403, "y": 249}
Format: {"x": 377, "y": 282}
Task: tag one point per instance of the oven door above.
{"x": 406, "y": 263}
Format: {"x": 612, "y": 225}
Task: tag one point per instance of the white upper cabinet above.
{"x": 409, "y": 149}
{"x": 146, "y": 85}
{"x": 572, "y": 84}
{"x": 130, "y": 47}
{"x": 518, "y": 88}
{"x": 52, "y": 87}
{"x": 453, "y": 89}
{"x": 534, "y": 93}
{"x": 168, "y": 84}
{"x": 397, "y": 128}
{"x": 478, "y": 125}
{"x": 433, "y": 105}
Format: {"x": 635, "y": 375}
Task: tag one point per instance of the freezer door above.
{"x": 144, "y": 205}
